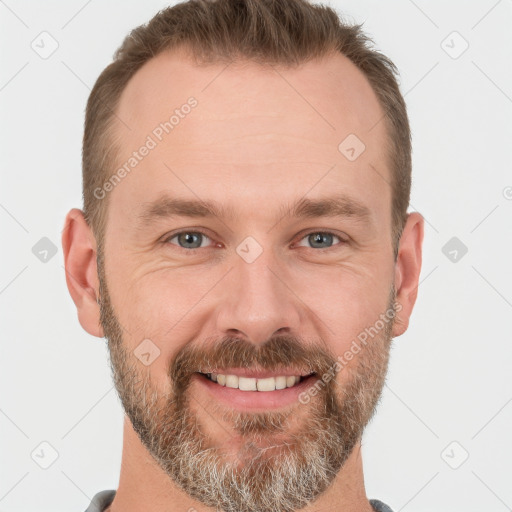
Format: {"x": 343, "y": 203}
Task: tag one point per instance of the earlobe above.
{"x": 79, "y": 247}
{"x": 407, "y": 270}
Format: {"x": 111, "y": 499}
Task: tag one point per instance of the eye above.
{"x": 318, "y": 239}
{"x": 188, "y": 239}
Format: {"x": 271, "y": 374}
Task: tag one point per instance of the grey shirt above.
{"x": 103, "y": 499}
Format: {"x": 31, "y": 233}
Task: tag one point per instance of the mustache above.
{"x": 277, "y": 353}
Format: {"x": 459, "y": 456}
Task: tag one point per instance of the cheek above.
{"x": 159, "y": 311}
{"x": 345, "y": 302}
{"x": 169, "y": 306}
{"x": 154, "y": 300}
{"x": 344, "y": 292}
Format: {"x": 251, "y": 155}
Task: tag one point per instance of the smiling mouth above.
{"x": 266, "y": 384}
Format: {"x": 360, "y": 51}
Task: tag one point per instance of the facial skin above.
{"x": 258, "y": 140}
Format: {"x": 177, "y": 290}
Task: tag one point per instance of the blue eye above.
{"x": 319, "y": 238}
{"x": 189, "y": 239}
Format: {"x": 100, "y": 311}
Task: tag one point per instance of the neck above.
{"x": 143, "y": 485}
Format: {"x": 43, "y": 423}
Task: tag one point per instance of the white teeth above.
{"x": 280, "y": 382}
{"x": 290, "y": 381}
{"x": 231, "y": 381}
{"x": 246, "y": 384}
{"x": 253, "y": 384}
{"x": 268, "y": 384}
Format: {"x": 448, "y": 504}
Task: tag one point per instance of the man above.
{"x": 245, "y": 248}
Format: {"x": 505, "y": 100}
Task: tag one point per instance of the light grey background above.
{"x": 450, "y": 374}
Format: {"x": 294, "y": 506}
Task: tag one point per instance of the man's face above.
{"x": 259, "y": 292}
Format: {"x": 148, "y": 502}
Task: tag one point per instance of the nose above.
{"x": 258, "y": 301}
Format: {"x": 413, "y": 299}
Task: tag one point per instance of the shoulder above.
{"x": 379, "y": 506}
{"x": 101, "y": 501}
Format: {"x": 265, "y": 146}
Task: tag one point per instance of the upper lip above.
{"x": 260, "y": 374}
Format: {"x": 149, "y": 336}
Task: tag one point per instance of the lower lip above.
{"x": 251, "y": 400}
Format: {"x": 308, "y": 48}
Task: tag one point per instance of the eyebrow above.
{"x": 331, "y": 206}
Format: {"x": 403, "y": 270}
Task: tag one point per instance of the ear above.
{"x": 79, "y": 247}
{"x": 407, "y": 270}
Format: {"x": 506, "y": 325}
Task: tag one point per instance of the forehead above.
{"x": 255, "y": 131}
{"x": 331, "y": 92}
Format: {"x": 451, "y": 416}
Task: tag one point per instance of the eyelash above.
{"x": 174, "y": 235}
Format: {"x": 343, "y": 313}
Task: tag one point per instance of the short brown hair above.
{"x": 283, "y": 32}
